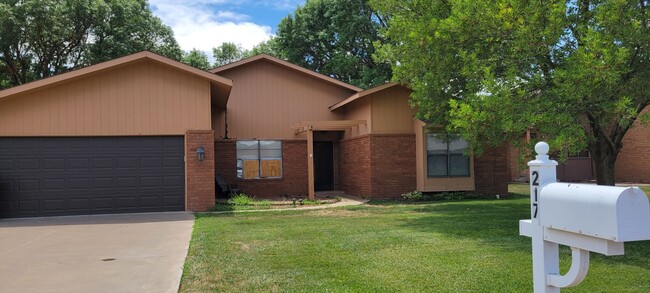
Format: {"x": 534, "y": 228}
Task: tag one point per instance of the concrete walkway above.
{"x": 346, "y": 201}
{"x": 142, "y": 252}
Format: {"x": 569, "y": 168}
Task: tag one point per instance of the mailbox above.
{"x": 617, "y": 214}
{"x": 585, "y": 217}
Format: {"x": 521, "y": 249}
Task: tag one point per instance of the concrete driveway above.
{"x": 141, "y": 252}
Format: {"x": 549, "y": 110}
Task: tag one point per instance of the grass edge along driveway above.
{"x": 455, "y": 246}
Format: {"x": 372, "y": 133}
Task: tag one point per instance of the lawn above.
{"x": 460, "y": 246}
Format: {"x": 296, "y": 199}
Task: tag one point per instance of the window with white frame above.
{"x": 446, "y": 156}
{"x": 257, "y": 159}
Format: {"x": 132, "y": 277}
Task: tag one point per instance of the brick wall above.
{"x": 393, "y": 165}
{"x": 199, "y": 175}
{"x": 492, "y": 172}
{"x": 294, "y": 170}
{"x": 633, "y": 162}
{"x": 354, "y": 166}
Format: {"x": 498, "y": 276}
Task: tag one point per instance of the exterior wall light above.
{"x": 200, "y": 153}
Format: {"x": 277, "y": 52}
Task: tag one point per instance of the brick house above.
{"x": 632, "y": 164}
{"x": 125, "y": 136}
{"x": 330, "y": 135}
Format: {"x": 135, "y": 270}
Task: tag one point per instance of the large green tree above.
{"x": 578, "y": 71}
{"x": 336, "y": 38}
{"x": 41, "y": 38}
{"x": 196, "y": 58}
{"x": 226, "y": 53}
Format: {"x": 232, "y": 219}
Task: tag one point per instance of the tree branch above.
{"x": 596, "y": 126}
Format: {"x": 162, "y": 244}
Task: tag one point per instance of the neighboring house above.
{"x": 632, "y": 164}
{"x": 365, "y": 143}
{"x": 123, "y": 136}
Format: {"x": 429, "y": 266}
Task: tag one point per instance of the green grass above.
{"x": 459, "y": 246}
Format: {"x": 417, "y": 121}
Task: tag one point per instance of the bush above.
{"x": 447, "y": 195}
{"x": 413, "y": 195}
{"x": 241, "y": 200}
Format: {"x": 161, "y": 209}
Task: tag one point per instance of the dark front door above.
{"x": 51, "y": 176}
{"x": 323, "y": 165}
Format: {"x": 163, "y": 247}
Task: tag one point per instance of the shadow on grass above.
{"x": 496, "y": 223}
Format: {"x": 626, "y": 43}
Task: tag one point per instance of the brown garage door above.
{"x": 90, "y": 175}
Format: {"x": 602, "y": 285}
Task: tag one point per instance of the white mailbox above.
{"x": 612, "y": 213}
{"x": 584, "y": 217}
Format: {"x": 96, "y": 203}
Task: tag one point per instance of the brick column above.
{"x": 199, "y": 175}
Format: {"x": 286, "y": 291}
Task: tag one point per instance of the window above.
{"x": 446, "y": 158}
{"x": 259, "y": 159}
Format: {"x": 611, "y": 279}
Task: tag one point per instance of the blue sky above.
{"x": 204, "y": 24}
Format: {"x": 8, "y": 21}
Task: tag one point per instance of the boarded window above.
{"x": 446, "y": 156}
{"x": 259, "y": 159}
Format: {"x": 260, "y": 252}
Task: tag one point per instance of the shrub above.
{"x": 241, "y": 200}
{"x": 413, "y": 195}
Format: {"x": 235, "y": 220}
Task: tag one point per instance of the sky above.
{"x": 204, "y": 24}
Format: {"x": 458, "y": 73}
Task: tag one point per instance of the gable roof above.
{"x": 365, "y": 93}
{"x": 219, "y": 84}
{"x": 286, "y": 65}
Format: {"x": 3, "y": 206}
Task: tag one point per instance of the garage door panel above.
{"x": 54, "y": 184}
{"x": 87, "y": 175}
{"x": 53, "y": 205}
{"x": 28, "y": 164}
{"x": 78, "y": 163}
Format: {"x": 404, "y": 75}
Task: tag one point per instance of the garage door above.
{"x": 90, "y": 175}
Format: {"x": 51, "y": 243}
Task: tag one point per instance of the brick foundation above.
{"x": 294, "y": 170}
{"x": 199, "y": 176}
{"x": 492, "y": 172}
{"x": 633, "y": 162}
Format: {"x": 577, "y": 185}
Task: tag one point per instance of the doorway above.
{"x": 323, "y": 165}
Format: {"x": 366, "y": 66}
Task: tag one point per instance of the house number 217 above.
{"x": 535, "y": 183}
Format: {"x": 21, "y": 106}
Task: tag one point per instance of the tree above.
{"x": 577, "y": 71}
{"x": 227, "y": 53}
{"x": 129, "y": 26}
{"x": 335, "y": 38}
{"x": 269, "y": 47}
{"x": 196, "y": 58}
{"x": 41, "y": 38}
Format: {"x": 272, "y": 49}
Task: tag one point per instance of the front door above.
{"x": 323, "y": 165}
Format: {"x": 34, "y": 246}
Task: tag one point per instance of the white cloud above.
{"x": 196, "y": 25}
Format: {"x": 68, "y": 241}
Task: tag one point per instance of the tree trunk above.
{"x": 604, "y": 159}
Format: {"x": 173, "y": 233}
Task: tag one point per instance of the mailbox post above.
{"x": 542, "y": 172}
{"x": 583, "y": 216}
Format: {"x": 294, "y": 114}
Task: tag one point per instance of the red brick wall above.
{"x": 199, "y": 175}
{"x": 633, "y": 162}
{"x": 354, "y": 166}
{"x": 492, "y": 172}
{"x": 294, "y": 170}
{"x": 393, "y": 165}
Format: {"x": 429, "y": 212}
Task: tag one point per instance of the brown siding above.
{"x": 294, "y": 170}
{"x": 358, "y": 110}
{"x": 354, "y": 166}
{"x": 144, "y": 98}
{"x": 393, "y": 165}
{"x": 391, "y": 112}
{"x": 633, "y": 162}
{"x": 267, "y": 99}
{"x": 199, "y": 175}
{"x": 492, "y": 172}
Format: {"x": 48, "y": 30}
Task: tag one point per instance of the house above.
{"x": 632, "y": 164}
{"x": 125, "y": 136}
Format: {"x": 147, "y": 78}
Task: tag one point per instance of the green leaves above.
{"x": 336, "y": 38}
{"x": 489, "y": 70}
{"x": 41, "y": 38}
{"x": 196, "y": 58}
